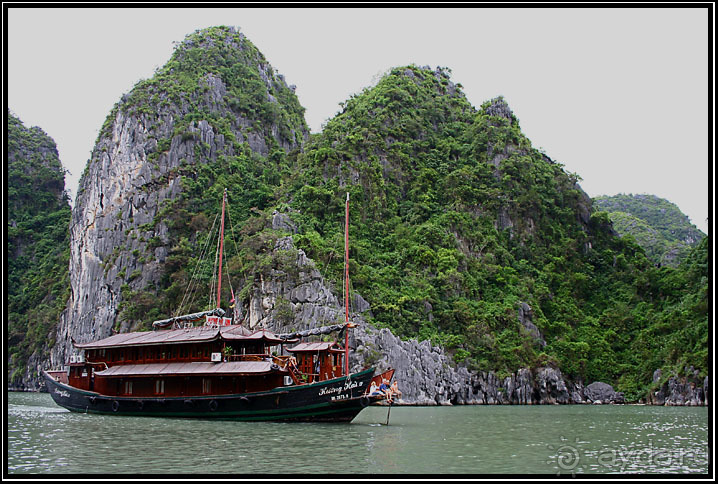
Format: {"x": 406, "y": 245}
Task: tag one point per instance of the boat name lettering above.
{"x": 347, "y": 386}
{"x": 326, "y": 391}
{"x": 62, "y": 393}
{"x": 352, "y": 384}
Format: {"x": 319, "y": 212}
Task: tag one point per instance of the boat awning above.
{"x": 143, "y": 338}
{"x": 319, "y": 346}
{"x": 195, "y": 368}
{"x": 232, "y": 334}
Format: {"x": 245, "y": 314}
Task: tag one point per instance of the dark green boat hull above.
{"x": 337, "y": 400}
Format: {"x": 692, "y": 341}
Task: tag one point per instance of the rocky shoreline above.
{"x": 428, "y": 378}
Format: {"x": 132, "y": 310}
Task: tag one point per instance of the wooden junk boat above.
{"x": 217, "y": 370}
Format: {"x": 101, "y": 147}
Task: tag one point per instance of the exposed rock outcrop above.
{"x": 599, "y": 392}
{"x": 686, "y": 390}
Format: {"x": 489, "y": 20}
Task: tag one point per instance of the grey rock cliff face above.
{"x": 687, "y": 390}
{"x": 112, "y": 202}
{"x": 293, "y": 295}
{"x": 117, "y": 232}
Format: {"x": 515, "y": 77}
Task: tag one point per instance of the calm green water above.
{"x": 43, "y": 438}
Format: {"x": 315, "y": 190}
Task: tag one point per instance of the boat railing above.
{"x": 285, "y": 362}
{"x": 282, "y": 361}
{"x": 59, "y": 375}
{"x": 246, "y": 357}
{"x": 97, "y": 363}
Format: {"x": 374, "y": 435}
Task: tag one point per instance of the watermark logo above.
{"x": 576, "y": 456}
{"x": 567, "y": 456}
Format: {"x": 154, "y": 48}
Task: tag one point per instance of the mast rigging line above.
{"x": 346, "y": 285}
{"x": 221, "y": 249}
{"x": 194, "y": 283}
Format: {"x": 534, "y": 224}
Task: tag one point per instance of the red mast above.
{"x": 346, "y": 289}
{"x": 221, "y": 249}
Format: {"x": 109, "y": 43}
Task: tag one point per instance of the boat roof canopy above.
{"x": 142, "y": 338}
{"x": 203, "y": 334}
{"x": 194, "y": 368}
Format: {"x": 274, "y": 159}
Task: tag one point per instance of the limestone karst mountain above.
{"x": 665, "y": 233}
{"x": 464, "y": 237}
{"x": 38, "y": 212}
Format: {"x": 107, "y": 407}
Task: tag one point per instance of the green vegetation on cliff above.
{"x": 37, "y": 244}
{"x": 456, "y": 221}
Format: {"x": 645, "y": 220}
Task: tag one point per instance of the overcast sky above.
{"x": 618, "y": 96}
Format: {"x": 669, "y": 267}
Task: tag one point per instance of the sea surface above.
{"x": 45, "y": 439}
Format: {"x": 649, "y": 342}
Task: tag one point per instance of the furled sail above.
{"x": 315, "y": 331}
{"x": 163, "y": 323}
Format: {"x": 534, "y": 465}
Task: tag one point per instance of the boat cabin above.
{"x": 319, "y": 361}
{"x": 200, "y": 361}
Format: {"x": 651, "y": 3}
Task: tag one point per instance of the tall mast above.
{"x": 346, "y": 288}
{"x": 221, "y": 249}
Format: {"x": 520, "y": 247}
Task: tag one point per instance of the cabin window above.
{"x": 159, "y": 387}
{"x": 206, "y": 385}
{"x": 128, "y": 388}
{"x": 163, "y": 355}
{"x": 102, "y": 352}
{"x": 183, "y": 352}
{"x": 122, "y": 355}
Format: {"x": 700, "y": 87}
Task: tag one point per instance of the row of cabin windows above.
{"x": 159, "y": 353}
{"x": 160, "y": 386}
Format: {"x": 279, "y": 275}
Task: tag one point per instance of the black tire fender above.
{"x": 213, "y": 405}
{"x": 115, "y": 405}
{"x": 364, "y": 401}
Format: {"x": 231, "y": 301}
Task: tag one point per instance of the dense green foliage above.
{"x": 671, "y": 324}
{"x": 37, "y": 243}
{"x": 657, "y": 225}
{"x": 456, "y": 220}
